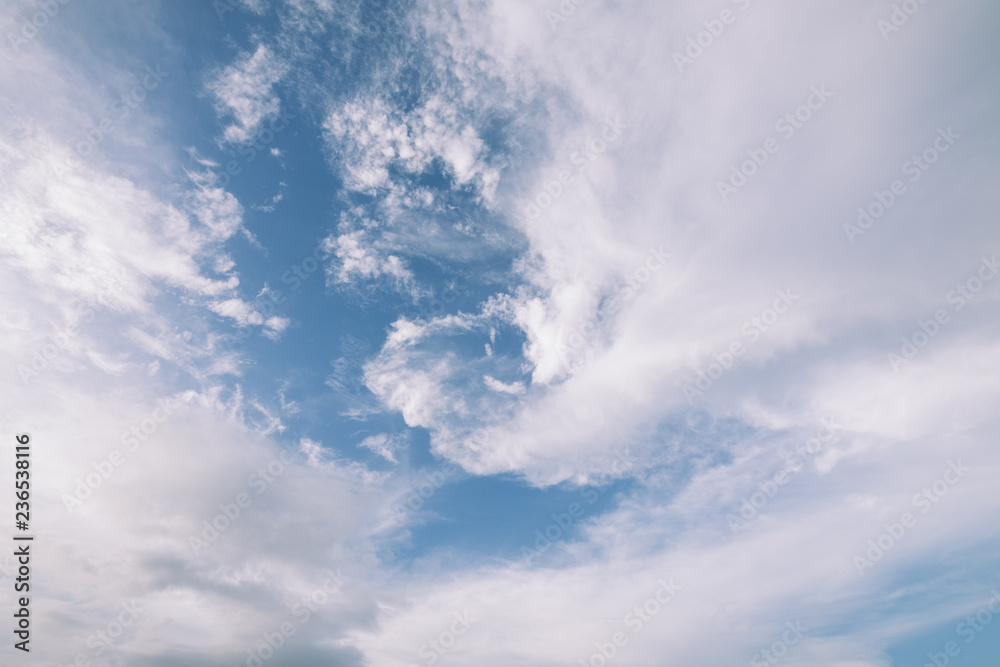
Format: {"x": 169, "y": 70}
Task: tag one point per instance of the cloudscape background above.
{"x": 520, "y": 332}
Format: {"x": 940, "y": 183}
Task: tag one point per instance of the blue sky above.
{"x": 482, "y": 325}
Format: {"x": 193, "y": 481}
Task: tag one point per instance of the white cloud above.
{"x": 653, "y": 185}
{"x": 602, "y": 378}
{"x": 384, "y": 445}
{"x": 356, "y": 260}
{"x": 142, "y": 517}
{"x": 504, "y": 388}
{"x": 367, "y": 137}
{"x": 246, "y": 314}
{"x": 245, "y": 91}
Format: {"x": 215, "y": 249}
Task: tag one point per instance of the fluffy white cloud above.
{"x": 357, "y": 261}
{"x": 615, "y": 329}
{"x": 245, "y": 91}
{"x": 368, "y": 137}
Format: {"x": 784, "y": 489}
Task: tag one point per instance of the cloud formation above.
{"x": 647, "y": 329}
